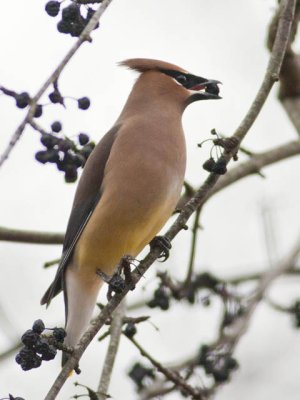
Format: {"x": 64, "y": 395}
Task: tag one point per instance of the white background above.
{"x": 220, "y": 39}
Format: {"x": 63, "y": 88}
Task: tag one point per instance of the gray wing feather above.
{"x": 87, "y": 196}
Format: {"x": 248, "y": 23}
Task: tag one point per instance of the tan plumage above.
{"x": 129, "y": 187}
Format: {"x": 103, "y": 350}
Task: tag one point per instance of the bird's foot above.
{"x": 116, "y": 283}
{"x": 124, "y": 267}
{"x": 163, "y": 244}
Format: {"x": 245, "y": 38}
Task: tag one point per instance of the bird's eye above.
{"x": 182, "y": 79}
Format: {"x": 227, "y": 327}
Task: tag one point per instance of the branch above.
{"x": 85, "y": 36}
{"x": 173, "y": 376}
{"x": 36, "y": 237}
{"x": 115, "y": 334}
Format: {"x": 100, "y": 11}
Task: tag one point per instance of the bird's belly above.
{"x": 118, "y": 227}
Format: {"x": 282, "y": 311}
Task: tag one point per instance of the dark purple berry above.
{"x": 38, "y": 111}
{"x": 53, "y": 155}
{"x": 22, "y": 100}
{"x": 38, "y": 326}
{"x": 59, "y": 334}
{"x": 220, "y": 167}
{"x": 18, "y": 359}
{"x": 130, "y": 329}
{"x": 76, "y": 28}
{"x": 83, "y": 138}
{"x": 52, "y": 8}
{"x": 55, "y": 97}
{"x": 49, "y": 354}
{"x": 29, "y": 338}
{"x": 71, "y": 174}
{"x": 65, "y": 145}
{"x": 48, "y": 140}
{"x": 209, "y": 165}
{"x": 84, "y": 103}
{"x": 64, "y": 27}
{"x": 71, "y": 13}
{"x": 41, "y": 156}
{"x": 87, "y": 149}
{"x": 79, "y": 160}
{"x": 56, "y": 126}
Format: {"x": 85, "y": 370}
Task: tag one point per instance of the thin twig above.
{"x": 195, "y": 230}
{"x": 85, "y": 36}
{"x": 171, "y": 375}
{"x": 24, "y": 236}
{"x": 115, "y": 334}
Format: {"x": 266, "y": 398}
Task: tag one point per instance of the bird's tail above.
{"x": 80, "y": 298}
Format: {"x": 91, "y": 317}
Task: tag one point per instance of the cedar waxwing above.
{"x": 129, "y": 187}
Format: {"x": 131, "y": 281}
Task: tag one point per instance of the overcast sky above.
{"x": 219, "y": 39}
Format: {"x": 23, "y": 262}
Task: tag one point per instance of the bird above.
{"x": 129, "y": 186}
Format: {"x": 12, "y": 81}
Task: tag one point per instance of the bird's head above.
{"x": 191, "y": 87}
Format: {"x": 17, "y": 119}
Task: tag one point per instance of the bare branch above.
{"x": 115, "y": 334}
{"x": 85, "y": 36}
{"x": 36, "y": 237}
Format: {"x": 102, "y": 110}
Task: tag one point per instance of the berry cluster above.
{"x": 64, "y": 152}
{"x": 139, "y": 374}
{"x": 130, "y": 329}
{"x": 36, "y": 347}
{"x": 217, "y": 364}
{"x": 72, "y": 21}
{"x": 161, "y": 299}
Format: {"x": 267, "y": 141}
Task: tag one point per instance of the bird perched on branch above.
{"x": 130, "y": 185}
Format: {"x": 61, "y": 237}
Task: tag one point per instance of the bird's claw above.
{"x": 164, "y": 244}
{"x": 116, "y": 283}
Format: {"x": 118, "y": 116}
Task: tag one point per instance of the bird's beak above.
{"x": 205, "y": 90}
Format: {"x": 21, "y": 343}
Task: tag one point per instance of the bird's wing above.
{"x": 86, "y": 198}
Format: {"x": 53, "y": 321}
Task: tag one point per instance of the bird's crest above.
{"x": 147, "y": 64}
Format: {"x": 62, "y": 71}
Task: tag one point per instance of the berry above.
{"x": 138, "y": 373}
{"x": 56, "y": 126}
{"x": 38, "y": 326}
{"x": 41, "y": 156}
{"x": 18, "y": 358}
{"x": 76, "y": 28}
{"x": 49, "y": 354}
{"x": 70, "y": 174}
{"x": 41, "y": 346}
{"x": 83, "y": 138}
{"x": 87, "y": 149}
{"x": 161, "y": 299}
{"x": 63, "y": 27}
{"x": 52, "y": 155}
{"x": 52, "y": 8}
{"x": 38, "y": 111}
{"x": 212, "y": 88}
{"x": 79, "y": 160}
{"x": 220, "y": 167}
{"x": 48, "y": 140}
{"x": 209, "y": 165}
{"x": 55, "y": 97}
{"x": 117, "y": 283}
{"x": 22, "y": 100}
{"x": 130, "y": 329}
{"x": 65, "y": 145}
{"x": 29, "y": 338}
{"x": 71, "y": 13}
{"x": 84, "y": 103}
{"x": 59, "y": 334}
